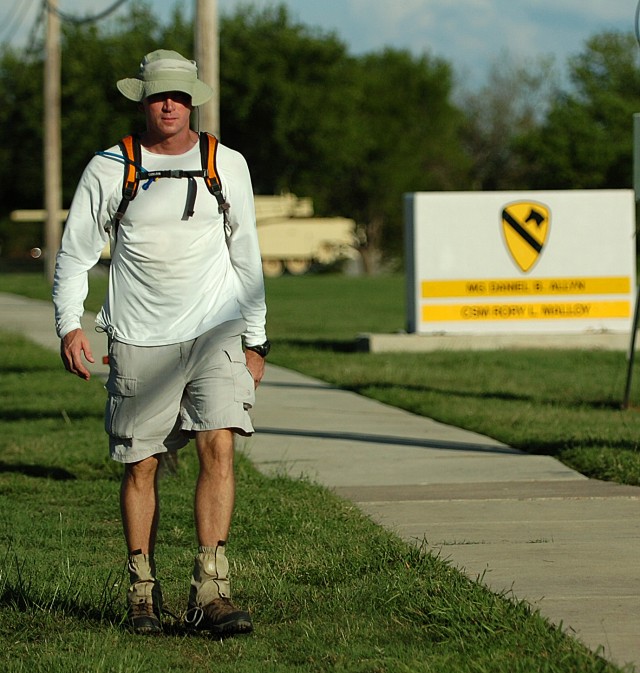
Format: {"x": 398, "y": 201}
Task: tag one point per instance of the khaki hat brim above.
{"x": 136, "y": 89}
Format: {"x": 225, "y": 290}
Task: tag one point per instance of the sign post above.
{"x": 636, "y": 191}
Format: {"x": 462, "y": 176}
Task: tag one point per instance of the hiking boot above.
{"x": 210, "y": 607}
{"x": 220, "y": 617}
{"x": 143, "y": 617}
{"x": 144, "y": 597}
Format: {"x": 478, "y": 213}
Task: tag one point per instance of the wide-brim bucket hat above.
{"x": 161, "y": 71}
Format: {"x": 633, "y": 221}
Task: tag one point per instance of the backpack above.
{"x": 134, "y": 172}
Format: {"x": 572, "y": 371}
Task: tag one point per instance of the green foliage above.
{"x": 312, "y": 120}
{"x": 409, "y": 141}
{"x": 283, "y": 99}
{"x": 95, "y": 114}
{"x": 586, "y": 140}
{"x": 21, "y": 139}
{"x": 513, "y": 103}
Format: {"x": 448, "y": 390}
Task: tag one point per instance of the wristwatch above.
{"x": 260, "y": 349}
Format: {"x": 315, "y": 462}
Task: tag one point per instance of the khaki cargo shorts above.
{"x": 159, "y": 396}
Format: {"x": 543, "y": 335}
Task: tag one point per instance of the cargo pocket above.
{"x": 243, "y": 385}
{"x": 120, "y": 415}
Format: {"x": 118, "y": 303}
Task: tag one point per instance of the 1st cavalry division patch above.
{"x": 525, "y": 225}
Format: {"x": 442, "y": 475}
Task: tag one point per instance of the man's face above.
{"x": 167, "y": 113}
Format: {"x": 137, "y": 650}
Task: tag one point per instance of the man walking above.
{"x": 185, "y": 317}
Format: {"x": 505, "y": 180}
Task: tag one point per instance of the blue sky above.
{"x": 470, "y": 34}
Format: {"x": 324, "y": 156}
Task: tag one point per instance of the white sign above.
{"x": 520, "y": 262}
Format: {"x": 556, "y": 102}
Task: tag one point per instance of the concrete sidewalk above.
{"x": 526, "y": 524}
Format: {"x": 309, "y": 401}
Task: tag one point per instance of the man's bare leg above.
{"x": 215, "y": 490}
{"x": 210, "y": 607}
{"x": 140, "y": 513}
{"x": 139, "y": 505}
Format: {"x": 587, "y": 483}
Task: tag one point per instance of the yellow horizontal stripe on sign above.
{"x": 536, "y": 311}
{"x": 431, "y": 289}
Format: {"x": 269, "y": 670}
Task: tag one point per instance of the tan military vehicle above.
{"x": 292, "y": 238}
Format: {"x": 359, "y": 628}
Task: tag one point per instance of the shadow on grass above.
{"x": 597, "y": 404}
{"x": 366, "y": 390}
{"x": 13, "y": 415}
{"x": 27, "y": 369}
{"x": 25, "y": 591}
{"x": 554, "y": 448}
{"x": 39, "y": 471}
{"x": 333, "y": 345}
{"x": 320, "y": 385}
{"x": 106, "y": 611}
{"x": 16, "y": 598}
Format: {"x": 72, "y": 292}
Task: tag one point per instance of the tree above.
{"x": 409, "y": 141}
{"x": 353, "y": 133}
{"x": 586, "y": 140}
{"x": 21, "y": 135}
{"x": 94, "y": 113}
{"x": 286, "y": 100}
{"x": 21, "y": 184}
{"x": 514, "y": 102}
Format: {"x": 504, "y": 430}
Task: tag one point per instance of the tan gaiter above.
{"x": 210, "y": 576}
{"x": 142, "y": 579}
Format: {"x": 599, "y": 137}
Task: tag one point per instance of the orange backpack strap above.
{"x": 132, "y": 154}
{"x": 130, "y": 147}
{"x": 208, "y": 151}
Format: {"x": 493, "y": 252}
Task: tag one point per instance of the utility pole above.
{"x": 207, "y": 57}
{"x": 52, "y": 142}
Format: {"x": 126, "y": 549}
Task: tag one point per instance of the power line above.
{"x": 63, "y": 16}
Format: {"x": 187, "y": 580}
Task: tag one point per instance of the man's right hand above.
{"x": 72, "y": 346}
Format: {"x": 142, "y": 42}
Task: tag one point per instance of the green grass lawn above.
{"x": 562, "y": 403}
{"x": 328, "y": 589}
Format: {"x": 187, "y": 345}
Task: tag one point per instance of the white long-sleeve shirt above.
{"x": 170, "y": 280}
